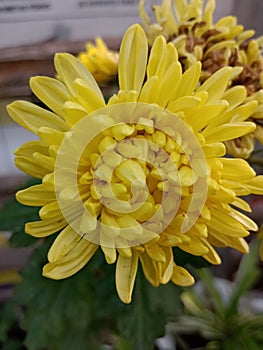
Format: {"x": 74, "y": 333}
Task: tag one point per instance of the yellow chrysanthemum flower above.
{"x": 189, "y": 26}
{"x": 100, "y": 61}
{"x": 141, "y": 174}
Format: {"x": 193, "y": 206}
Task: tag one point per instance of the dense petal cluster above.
{"x": 189, "y": 26}
{"x": 100, "y": 61}
{"x": 113, "y": 172}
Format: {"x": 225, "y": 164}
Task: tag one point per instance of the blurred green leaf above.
{"x": 145, "y": 318}
{"x": 247, "y": 274}
{"x": 183, "y": 258}
{"x": 13, "y": 217}
{"x": 219, "y": 318}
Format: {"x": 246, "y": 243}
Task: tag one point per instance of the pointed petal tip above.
{"x": 135, "y": 27}
{"x": 59, "y": 57}
{"x": 126, "y": 300}
{"x": 47, "y": 272}
{"x": 13, "y": 105}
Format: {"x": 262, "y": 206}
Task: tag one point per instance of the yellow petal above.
{"x": 133, "y": 54}
{"x": 126, "y": 252}
{"x": 155, "y": 252}
{"x": 69, "y": 68}
{"x": 30, "y": 117}
{"x": 87, "y": 96}
{"x": 45, "y": 228}
{"x": 255, "y": 185}
{"x": 44, "y": 161}
{"x": 181, "y": 276}
{"x": 235, "y": 96}
{"x": 241, "y": 204}
{"x": 36, "y": 195}
{"x": 205, "y": 115}
{"x": 227, "y": 224}
{"x": 51, "y": 210}
{"x": 129, "y": 171}
{"x": 217, "y": 238}
{"x": 29, "y": 148}
{"x": 149, "y": 269}
{"x": 228, "y": 131}
{"x": 149, "y": 90}
{"x": 63, "y": 244}
{"x": 243, "y": 112}
{"x": 109, "y": 253}
{"x": 216, "y": 84}
{"x": 126, "y": 269}
{"x": 157, "y": 58}
{"x": 51, "y": 136}
{"x": 71, "y": 263}
{"x": 30, "y": 166}
{"x": 73, "y": 112}
{"x": 130, "y": 228}
{"x": 244, "y": 220}
{"x": 236, "y": 169}
{"x": 212, "y": 256}
{"x": 189, "y": 81}
{"x": 212, "y": 150}
{"x": 183, "y": 103}
{"x": 50, "y": 91}
{"x": 194, "y": 247}
{"x": 170, "y": 84}
{"x": 166, "y": 269}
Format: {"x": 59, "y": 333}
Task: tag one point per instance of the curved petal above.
{"x": 133, "y": 59}
{"x": 66, "y": 241}
{"x": 71, "y": 263}
{"x": 45, "y": 227}
{"x": 216, "y": 84}
{"x": 69, "y": 68}
{"x": 157, "y": 58}
{"x": 228, "y": 131}
{"x": 50, "y": 91}
{"x": 30, "y": 117}
{"x": 189, "y": 80}
{"x": 181, "y": 276}
{"x": 30, "y": 166}
{"x": 87, "y": 96}
{"x": 126, "y": 269}
{"x": 36, "y": 195}
{"x": 149, "y": 269}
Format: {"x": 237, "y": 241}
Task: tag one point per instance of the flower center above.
{"x": 132, "y": 172}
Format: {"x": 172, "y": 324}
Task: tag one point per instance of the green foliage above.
{"x": 84, "y": 311}
{"x": 151, "y": 309}
{"x": 13, "y": 217}
{"x": 220, "y": 319}
{"x": 183, "y": 258}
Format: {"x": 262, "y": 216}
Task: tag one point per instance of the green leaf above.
{"x": 246, "y": 276}
{"x": 145, "y": 318}
{"x": 122, "y": 344}
{"x": 12, "y": 345}
{"x": 183, "y": 258}
{"x": 13, "y": 217}
{"x": 208, "y": 280}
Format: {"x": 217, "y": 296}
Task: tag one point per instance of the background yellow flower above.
{"x": 189, "y": 25}
{"x": 100, "y": 61}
